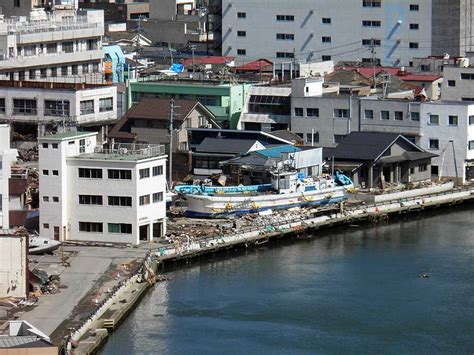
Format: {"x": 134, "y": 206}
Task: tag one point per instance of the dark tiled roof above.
{"x": 363, "y": 146}
{"x": 225, "y": 146}
{"x": 287, "y": 135}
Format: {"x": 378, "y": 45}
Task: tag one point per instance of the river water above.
{"x": 350, "y": 290}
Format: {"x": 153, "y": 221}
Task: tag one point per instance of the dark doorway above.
{"x": 144, "y": 232}
{"x": 157, "y": 230}
{"x": 56, "y": 233}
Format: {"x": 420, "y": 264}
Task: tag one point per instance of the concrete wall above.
{"x": 13, "y": 266}
{"x": 345, "y": 29}
{"x": 463, "y": 88}
{"x": 7, "y": 156}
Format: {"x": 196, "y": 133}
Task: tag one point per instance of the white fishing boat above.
{"x": 290, "y": 189}
{"x": 39, "y": 245}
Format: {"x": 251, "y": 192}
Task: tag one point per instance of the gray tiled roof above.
{"x": 225, "y": 146}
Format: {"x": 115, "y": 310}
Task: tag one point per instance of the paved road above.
{"x": 87, "y": 266}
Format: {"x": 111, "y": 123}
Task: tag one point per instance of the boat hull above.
{"x": 233, "y": 205}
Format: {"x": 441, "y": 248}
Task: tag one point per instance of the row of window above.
{"x": 54, "y": 71}
{"x": 60, "y": 108}
{"x": 54, "y": 172}
{"x": 378, "y": 3}
{"x": 345, "y": 113}
{"x": 54, "y": 199}
{"x": 32, "y": 50}
{"x": 433, "y": 120}
{"x": 155, "y": 197}
{"x": 119, "y": 174}
{"x": 97, "y": 227}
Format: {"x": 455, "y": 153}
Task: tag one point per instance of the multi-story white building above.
{"x": 458, "y": 81}
{"x": 89, "y": 193}
{"x": 54, "y": 105}
{"x": 52, "y": 47}
{"x": 7, "y": 156}
{"x": 306, "y": 30}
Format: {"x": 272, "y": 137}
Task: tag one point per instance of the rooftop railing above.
{"x": 130, "y": 150}
{"x": 49, "y": 24}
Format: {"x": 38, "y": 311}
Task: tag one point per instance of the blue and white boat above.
{"x": 289, "y": 189}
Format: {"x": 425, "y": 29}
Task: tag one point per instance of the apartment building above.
{"x": 458, "y": 81}
{"x": 7, "y": 156}
{"x": 39, "y": 106}
{"x": 52, "y": 47}
{"x": 308, "y": 30}
{"x": 88, "y": 192}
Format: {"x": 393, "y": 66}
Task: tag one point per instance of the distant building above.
{"x": 458, "y": 84}
{"x": 52, "y": 47}
{"x": 25, "y": 338}
{"x": 7, "y": 157}
{"x": 119, "y": 11}
{"x": 113, "y": 194}
{"x": 346, "y": 29}
{"x": 40, "y": 106}
{"x": 13, "y": 265}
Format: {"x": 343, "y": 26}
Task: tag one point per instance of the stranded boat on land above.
{"x": 39, "y": 245}
{"x": 290, "y": 189}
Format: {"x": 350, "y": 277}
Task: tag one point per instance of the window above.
{"x": 467, "y": 76}
{"x": 285, "y": 55}
{"x": 241, "y": 51}
{"x": 45, "y": 198}
{"x": 90, "y": 200}
{"x": 413, "y": 45}
{"x": 85, "y": 68}
{"x": 285, "y": 36}
{"x": 54, "y": 145}
{"x": 412, "y": 171}
{"x": 471, "y": 145}
{"x": 425, "y": 67}
{"x": 452, "y": 120}
{"x": 326, "y": 20}
{"x": 241, "y": 15}
{"x": 95, "y": 67}
{"x": 433, "y": 120}
{"x": 87, "y": 107}
{"x": 414, "y": 7}
{"x": 434, "y": 170}
{"x": 82, "y": 146}
{"x": 90, "y": 173}
{"x": 46, "y": 225}
{"x": 371, "y": 23}
{"x": 144, "y": 173}
{"x": 24, "y": 107}
{"x": 74, "y": 69}
{"x": 106, "y": 104}
{"x": 312, "y": 112}
{"x": 369, "y": 114}
{"x": 326, "y": 39}
{"x": 414, "y": 26}
{"x": 43, "y": 72}
{"x": 312, "y": 138}
{"x": 434, "y": 143}
{"x": 16, "y": 3}
{"x": 471, "y": 120}
{"x": 54, "y": 72}
{"x": 32, "y": 73}
{"x": 68, "y": 47}
{"x": 144, "y": 200}
{"x": 45, "y": 172}
{"x": 56, "y": 108}
{"x": 285, "y": 17}
{"x": 371, "y": 41}
{"x": 338, "y": 138}
{"x": 118, "y": 174}
{"x": 51, "y": 48}
{"x": 371, "y": 3}
{"x": 398, "y": 115}
{"x": 2, "y": 105}
{"x": 384, "y": 115}
{"x": 45, "y": 145}
{"x": 64, "y": 70}
{"x": 157, "y": 170}
{"x": 325, "y": 58}
{"x": 470, "y": 99}
{"x": 422, "y": 167}
{"x": 92, "y": 44}
{"x": 55, "y": 199}
{"x": 56, "y": 172}
{"x": 157, "y": 197}
{"x": 21, "y": 75}
{"x": 122, "y": 228}
{"x": 90, "y": 227}
{"x": 341, "y": 113}
{"x": 120, "y": 201}
{"x": 298, "y": 111}
{"x": 452, "y": 83}
{"x": 415, "y": 116}
{"x": 241, "y": 33}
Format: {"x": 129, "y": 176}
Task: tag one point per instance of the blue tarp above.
{"x": 275, "y": 152}
{"x": 177, "y": 68}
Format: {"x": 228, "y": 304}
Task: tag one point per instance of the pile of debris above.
{"x": 43, "y": 284}
{"x": 28, "y": 152}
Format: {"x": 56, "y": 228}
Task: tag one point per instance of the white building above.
{"x": 447, "y": 129}
{"x": 458, "y": 81}
{"x": 13, "y": 264}
{"x": 49, "y": 105}
{"x": 306, "y": 30}
{"x": 88, "y": 193}
{"x": 7, "y": 156}
{"x": 52, "y": 47}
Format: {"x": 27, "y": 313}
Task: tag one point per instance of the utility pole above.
{"x": 137, "y": 44}
{"x": 193, "y": 47}
{"x": 171, "y": 130}
{"x": 372, "y": 51}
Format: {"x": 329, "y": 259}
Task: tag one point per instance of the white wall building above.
{"x": 309, "y": 30}
{"x": 458, "y": 81}
{"x": 447, "y": 129}
{"x": 7, "y": 156}
{"x": 52, "y": 47}
{"x": 42, "y": 104}
{"x": 88, "y": 193}
{"x": 13, "y": 265}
